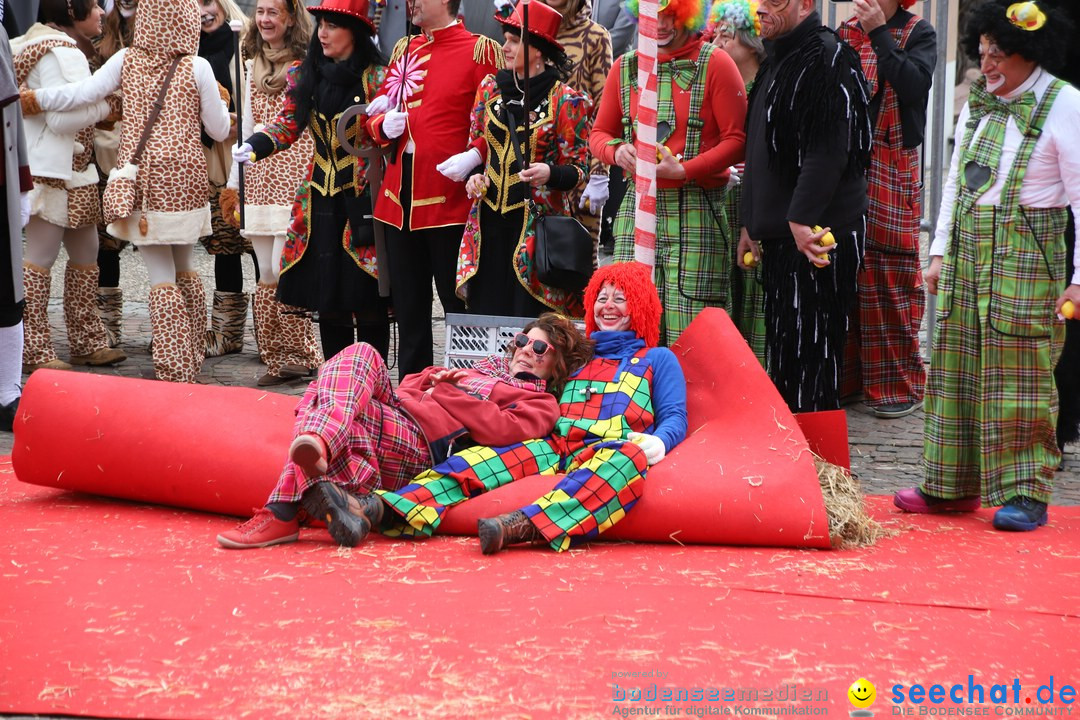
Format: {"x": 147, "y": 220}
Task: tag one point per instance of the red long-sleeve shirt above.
{"x": 723, "y": 112}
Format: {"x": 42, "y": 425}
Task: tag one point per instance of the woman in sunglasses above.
{"x": 355, "y": 434}
{"x": 620, "y": 413}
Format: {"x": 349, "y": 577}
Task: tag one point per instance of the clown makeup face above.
{"x": 668, "y": 36}
{"x": 779, "y": 17}
{"x": 273, "y": 20}
{"x": 727, "y": 40}
{"x": 212, "y": 16}
{"x": 611, "y": 311}
{"x": 336, "y": 40}
{"x": 528, "y": 360}
{"x": 1003, "y": 73}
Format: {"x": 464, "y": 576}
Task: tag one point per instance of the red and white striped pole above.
{"x": 645, "y": 171}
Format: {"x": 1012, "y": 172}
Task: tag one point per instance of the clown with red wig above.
{"x": 700, "y": 113}
{"x": 898, "y": 52}
{"x": 622, "y": 412}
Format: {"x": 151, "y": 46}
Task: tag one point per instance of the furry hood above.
{"x": 167, "y": 27}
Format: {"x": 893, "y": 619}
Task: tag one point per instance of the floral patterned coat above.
{"x": 324, "y": 170}
{"x": 559, "y": 134}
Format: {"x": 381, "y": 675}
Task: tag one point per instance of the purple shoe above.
{"x": 914, "y": 500}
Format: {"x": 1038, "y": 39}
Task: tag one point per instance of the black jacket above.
{"x": 909, "y": 71}
{"x": 806, "y": 160}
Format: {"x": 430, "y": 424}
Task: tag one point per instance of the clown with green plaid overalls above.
{"x": 701, "y": 109}
{"x": 991, "y": 402}
{"x": 622, "y": 412}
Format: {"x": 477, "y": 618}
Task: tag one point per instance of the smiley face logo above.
{"x": 862, "y": 693}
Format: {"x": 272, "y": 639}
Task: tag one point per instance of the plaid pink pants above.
{"x": 373, "y": 443}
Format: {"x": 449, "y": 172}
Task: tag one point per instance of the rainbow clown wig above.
{"x": 689, "y": 14}
{"x": 739, "y": 15}
{"x": 635, "y": 281}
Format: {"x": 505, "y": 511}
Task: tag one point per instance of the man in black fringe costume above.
{"x": 807, "y": 150}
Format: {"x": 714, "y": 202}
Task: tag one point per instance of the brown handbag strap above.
{"x": 155, "y": 110}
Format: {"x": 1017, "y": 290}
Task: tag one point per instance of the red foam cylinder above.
{"x": 744, "y": 475}
{"x": 203, "y": 447}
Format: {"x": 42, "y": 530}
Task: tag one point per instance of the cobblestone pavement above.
{"x": 884, "y": 453}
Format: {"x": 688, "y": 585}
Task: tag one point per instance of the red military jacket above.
{"x": 436, "y": 79}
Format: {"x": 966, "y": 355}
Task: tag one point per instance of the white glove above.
{"x": 393, "y": 124}
{"x": 652, "y": 445}
{"x": 734, "y": 178}
{"x": 459, "y": 167}
{"x": 24, "y": 208}
{"x": 501, "y": 5}
{"x": 377, "y": 106}
{"x": 242, "y": 153}
{"x": 595, "y": 194}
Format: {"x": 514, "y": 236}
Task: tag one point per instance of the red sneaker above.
{"x": 262, "y": 530}
{"x": 308, "y": 452}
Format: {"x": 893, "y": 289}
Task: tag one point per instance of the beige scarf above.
{"x": 270, "y": 70}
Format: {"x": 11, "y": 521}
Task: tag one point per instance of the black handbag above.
{"x": 361, "y": 220}
{"x": 563, "y": 252}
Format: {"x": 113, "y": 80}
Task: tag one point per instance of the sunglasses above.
{"x": 539, "y": 346}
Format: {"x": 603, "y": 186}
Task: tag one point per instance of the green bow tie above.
{"x": 681, "y": 71}
{"x": 982, "y": 102}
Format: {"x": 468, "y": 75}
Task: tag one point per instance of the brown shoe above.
{"x": 341, "y": 511}
{"x": 268, "y": 380}
{"x": 290, "y": 371}
{"x": 101, "y": 356}
{"x": 54, "y": 364}
{"x": 499, "y": 532}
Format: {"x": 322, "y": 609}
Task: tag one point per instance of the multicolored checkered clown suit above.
{"x": 625, "y": 388}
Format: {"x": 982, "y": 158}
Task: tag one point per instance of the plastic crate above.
{"x": 472, "y": 337}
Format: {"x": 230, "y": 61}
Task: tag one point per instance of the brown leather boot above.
{"x": 345, "y": 521}
{"x": 499, "y": 532}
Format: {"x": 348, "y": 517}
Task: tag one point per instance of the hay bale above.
{"x": 849, "y": 525}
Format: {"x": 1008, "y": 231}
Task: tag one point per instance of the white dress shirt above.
{"x": 1052, "y": 178}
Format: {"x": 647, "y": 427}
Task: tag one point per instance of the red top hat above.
{"x": 543, "y": 21}
{"x": 355, "y": 8}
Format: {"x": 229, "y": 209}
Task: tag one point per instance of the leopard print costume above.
{"x": 73, "y": 203}
{"x": 173, "y": 349}
{"x": 171, "y": 185}
{"x": 270, "y": 185}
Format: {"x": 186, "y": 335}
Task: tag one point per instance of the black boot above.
{"x": 7, "y": 415}
{"x": 498, "y": 532}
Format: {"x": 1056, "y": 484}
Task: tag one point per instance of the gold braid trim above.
{"x": 399, "y": 48}
{"x": 488, "y": 52}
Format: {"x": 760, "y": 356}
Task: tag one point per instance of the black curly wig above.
{"x": 1048, "y": 46}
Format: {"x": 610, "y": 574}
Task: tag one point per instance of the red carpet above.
{"x": 117, "y": 609}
